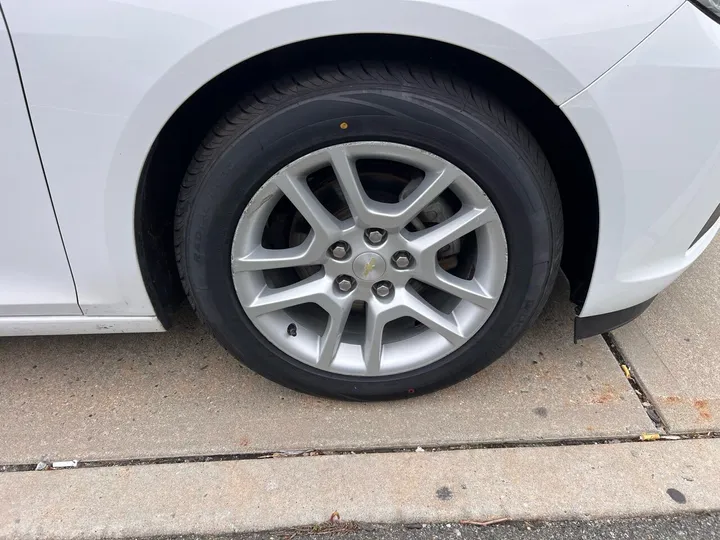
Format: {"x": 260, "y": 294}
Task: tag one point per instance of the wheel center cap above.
{"x": 369, "y": 266}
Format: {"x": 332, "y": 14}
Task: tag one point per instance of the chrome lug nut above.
{"x": 402, "y": 259}
{"x": 375, "y": 236}
{"x": 383, "y": 288}
{"x": 340, "y": 250}
{"x": 345, "y": 283}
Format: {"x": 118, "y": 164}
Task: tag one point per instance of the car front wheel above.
{"x": 368, "y": 230}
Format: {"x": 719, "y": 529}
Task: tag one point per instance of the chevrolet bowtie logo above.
{"x": 369, "y": 266}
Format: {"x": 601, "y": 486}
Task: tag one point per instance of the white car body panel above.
{"x": 656, "y": 157}
{"x": 35, "y": 277}
{"x": 82, "y": 324}
{"x": 102, "y": 77}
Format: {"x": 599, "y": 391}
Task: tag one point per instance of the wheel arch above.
{"x": 184, "y": 130}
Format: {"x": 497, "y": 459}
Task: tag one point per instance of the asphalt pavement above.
{"x": 691, "y": 526}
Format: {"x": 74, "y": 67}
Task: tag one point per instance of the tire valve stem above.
{"x": 292, "y": 330}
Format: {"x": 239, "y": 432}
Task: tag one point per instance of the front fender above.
{"x": 103, "y": 77}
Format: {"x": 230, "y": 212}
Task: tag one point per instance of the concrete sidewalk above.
{"x": 674, "y": 348}
{"x": 573, "y": 482}
{"x": 180, "y": 394}
{"x": 126, "y": 405}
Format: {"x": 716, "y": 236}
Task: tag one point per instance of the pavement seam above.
{"x": 208, "y": 458}
{"x": 637, "y": 385}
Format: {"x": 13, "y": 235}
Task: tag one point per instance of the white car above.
{"x": 365, "y": 199}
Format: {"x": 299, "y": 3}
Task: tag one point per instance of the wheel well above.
{"x": 182, "y": 134}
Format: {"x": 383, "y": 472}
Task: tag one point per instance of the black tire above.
{"x": 412, "y": 105}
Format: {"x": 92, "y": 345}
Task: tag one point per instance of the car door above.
{"x": 35, "y": 277}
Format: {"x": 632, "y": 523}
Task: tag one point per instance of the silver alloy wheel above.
{"x": 374, "y": 346}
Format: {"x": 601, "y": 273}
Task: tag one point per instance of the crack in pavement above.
{"x": 636, "y": 384}
{"x": 206, "y": 458}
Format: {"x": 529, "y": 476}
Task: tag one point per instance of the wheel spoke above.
{"x": 466, "y": 220}
{"x": 442, "y": 323}
{"x": 324, "y": 224}
{"x": 466, "y": 289}
{"x": 426, "y": 192}
{"x": 372, "y": 347}
{"x": 330, "y": 340}
{"x": 347, "y": 176}
{"x": 316, "y": 289}
{"x": 262, "y": 258}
